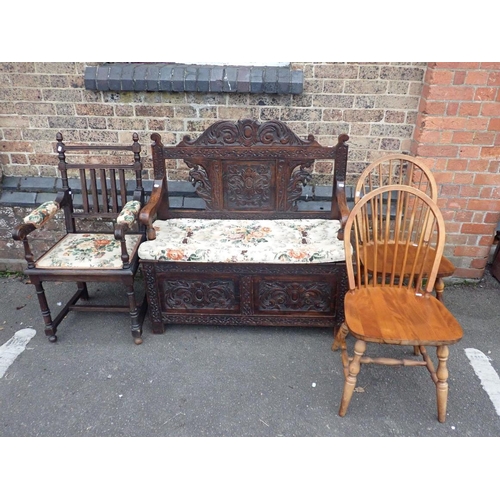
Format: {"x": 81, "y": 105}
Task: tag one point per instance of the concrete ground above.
{"x": 231, "y": 381}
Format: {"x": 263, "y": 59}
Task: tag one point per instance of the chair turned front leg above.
{"x": 439, "y": 287}
{"x": 340, "y": 336}
{"x": 350, "y": 381}
{"x": 442, "y": 382}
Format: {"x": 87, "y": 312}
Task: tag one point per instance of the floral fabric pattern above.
{"x": 217, "y": 240}
{"x": 42, "y": 214}
{"x": 88, "y": 251}
{"x": 129, "y": 212}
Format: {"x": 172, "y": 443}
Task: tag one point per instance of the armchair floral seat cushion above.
{"x": 86, "y": 250}
{"x": 263, "y": 241}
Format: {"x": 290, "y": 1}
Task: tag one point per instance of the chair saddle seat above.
{"x": 392, "y": 315}
{"x": 88, "y": 251}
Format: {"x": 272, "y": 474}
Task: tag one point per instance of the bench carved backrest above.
{"x": 250, "y": 169}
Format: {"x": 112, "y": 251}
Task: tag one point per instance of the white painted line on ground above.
{"x": 13, "y": 347}
{"x": 489, "y": 378}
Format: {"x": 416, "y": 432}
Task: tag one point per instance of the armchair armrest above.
{"x": 129, "y": 213}
{"x": 34, "y": 220}
{"x": 42, "y": 214}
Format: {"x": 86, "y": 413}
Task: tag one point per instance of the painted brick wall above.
{"x": 458, "y": 130}
{"x": 445, "y": 112}
{"x": 375, "y": 103}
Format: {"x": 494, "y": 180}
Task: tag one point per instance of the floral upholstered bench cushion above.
{"x": 88, "y": 251}
{"x": 265, "y": 241}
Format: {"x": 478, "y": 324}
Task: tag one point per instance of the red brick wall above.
{"x": 458, "y": 129}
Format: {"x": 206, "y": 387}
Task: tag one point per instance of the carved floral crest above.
{"x": 248, "y": 133}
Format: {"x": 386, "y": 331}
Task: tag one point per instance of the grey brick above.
{"x": 194, "y": 203}
{"x": 90, "y": 78}
{"x": 140, "y": 78}
{"x": 43, "y": 197}
{"x": 216, "y": 76}
{"x": 18, "y": 198}
{"x": 38, "y": 184}
{"x": 243, "y": 79}
{"x": 74, "y": 184}
{"x": 190, "y": 77}
{"x": 317, "y": 206}
{"x": 180, "y": 187}
{"x": 165, "y": 84}
{"x": 256, "y": 80}
{"x": 127, "y": 82}
{"x": 270, "y": 77}
{"x": 153, "y": 77}
{"x": 102, "y": 78}
{"x": 203, "y": 81}
{"x": 115, "y": 75}
{"x": 175, "y": 201}
{"x": 283, "y": 83}
{"x": 230, "y": 79}
{"x": 178, "y": 79}
{"x": 11, "y": 182}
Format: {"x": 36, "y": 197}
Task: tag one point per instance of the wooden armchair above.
{"x": 402, "y": 170}
{"x": 398, "y": 307}
{"x": 103, "y": 233}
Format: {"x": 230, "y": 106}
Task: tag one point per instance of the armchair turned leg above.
{"x": 50, "y": 328}
{"x": 350, "y": 381}
{"x": 84, "y": 293}
{"x": 135, "y": 323}
{"x": 442, "y": 382}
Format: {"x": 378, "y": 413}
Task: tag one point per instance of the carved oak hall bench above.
{"x": 250, "y": 251}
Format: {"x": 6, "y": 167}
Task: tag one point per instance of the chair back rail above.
{"x": 412, "y": 241}
{"x": 103, "y": 183}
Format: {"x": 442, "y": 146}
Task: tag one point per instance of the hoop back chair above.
{"x": 101, "y": 197}
{"x": 406, "y": 170}
{"x": 398, "y": 308}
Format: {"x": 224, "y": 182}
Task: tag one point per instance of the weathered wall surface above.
{"x": 448, "y": 113}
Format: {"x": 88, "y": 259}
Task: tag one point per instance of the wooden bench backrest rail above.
{"x": 246, "y": 169}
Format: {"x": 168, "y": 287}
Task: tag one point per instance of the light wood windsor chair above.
{"x": 102, "y": 230}
{"x": 403, "y": 170}
{"x": 398, "y": 308}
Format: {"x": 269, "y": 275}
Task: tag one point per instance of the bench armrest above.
{"x": 148, "y": 214}
{"x": 342, "y": 206}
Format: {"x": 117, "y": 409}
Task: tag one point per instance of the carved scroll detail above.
{"x": 247, "y": 133}
{"x": 199, "y": 178}
{"x": 294, "y": 296}
{"x": 248, "y": 186}
{"x": 199, "y": 294}
{"x": 299, "y": 178}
